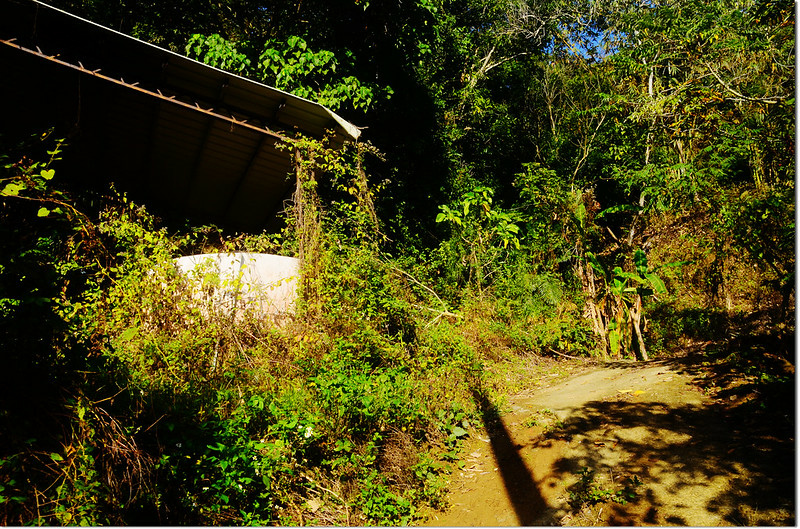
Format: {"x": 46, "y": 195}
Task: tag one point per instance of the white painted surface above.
{"x": 236, "y": 283}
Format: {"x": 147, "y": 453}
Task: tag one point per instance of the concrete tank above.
{"x": 234, "y": 284}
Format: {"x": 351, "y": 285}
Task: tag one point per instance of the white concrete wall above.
{"x": 236, "y": 283}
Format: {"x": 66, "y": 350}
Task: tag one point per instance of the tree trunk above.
{"x": 636, "y": 318}
{"x": 592, "y": 311}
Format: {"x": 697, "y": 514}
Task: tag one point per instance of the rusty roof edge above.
{"x": 351, "y": 130}
{"x": 157, "y": 94}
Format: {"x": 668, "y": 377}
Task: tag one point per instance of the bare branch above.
{"x": 741, "y": 97}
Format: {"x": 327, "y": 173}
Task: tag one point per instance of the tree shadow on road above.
{"x": 522, "y": 490}
{"x": 744, "y": 474}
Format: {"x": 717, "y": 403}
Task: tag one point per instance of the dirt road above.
{"x": 692, "y": 444}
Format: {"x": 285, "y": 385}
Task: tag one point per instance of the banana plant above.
{"x": 622, "y": 302}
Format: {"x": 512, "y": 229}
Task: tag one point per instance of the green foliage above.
{"x": 556, "y": 218}
{"x": 454, "y": 423}
{"x": 215, "y": 51}
{"x": 669, "y": 324}
{"x": 545, "y": 418}
{"x": 761, "y": 223}
{"x": 483, "y": 235}
{"x": 524, "y": 295}
{"x": 384, "y": 506}
{"x": 290, "y": 66}
{"x": 359, "y": 398}
{"x": 241, "y": 461}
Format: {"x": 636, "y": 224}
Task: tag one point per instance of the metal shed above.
{"x": 182, "y": 135}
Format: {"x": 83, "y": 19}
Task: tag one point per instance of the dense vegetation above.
{"x": 608, "y": 179}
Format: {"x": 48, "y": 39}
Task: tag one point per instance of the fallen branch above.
{"x": 439, "y": 312}
{"x": 415, "y": 280}
{"x": 429, "y": 289}
{"x": 566, "y": 356}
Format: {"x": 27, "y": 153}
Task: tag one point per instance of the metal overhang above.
{"x": 189, "y": 137}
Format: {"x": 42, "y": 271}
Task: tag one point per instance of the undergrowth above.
{"x": 151, "y": 405}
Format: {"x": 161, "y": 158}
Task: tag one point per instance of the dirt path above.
{"x": 696, "y": 442}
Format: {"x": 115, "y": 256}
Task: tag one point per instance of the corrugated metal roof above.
{"x": 193, "y": 138}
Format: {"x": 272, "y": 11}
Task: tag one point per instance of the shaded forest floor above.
{"x": 688, "y": 440}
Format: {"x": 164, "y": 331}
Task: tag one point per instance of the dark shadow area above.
{"x": 522, "y": 490}
{"x": 770, "y": 329}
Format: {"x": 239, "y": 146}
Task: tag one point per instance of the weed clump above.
{"x": 587, "y": 491}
